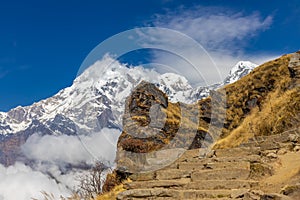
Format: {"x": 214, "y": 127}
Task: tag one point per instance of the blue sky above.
{"x": 43, "y": 43}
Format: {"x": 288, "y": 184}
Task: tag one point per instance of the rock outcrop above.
{"x": 252, "y": 159}
{"x": 234, "y": 173}
{"x": 154, "y": 127}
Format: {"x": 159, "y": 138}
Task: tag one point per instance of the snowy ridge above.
{"x": 241, "y": 69}
{"x": 96, "y": 99}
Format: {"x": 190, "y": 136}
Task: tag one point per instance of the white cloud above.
{"x": 51, "y": 158}
{"x": 73, "y": 150}
{"x": 223, "y": 33}
{"x": 214, "y": 27}
{"x": 23, "y": 183}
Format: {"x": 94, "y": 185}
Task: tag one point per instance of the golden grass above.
{"x": 279, "y": 114}
{"x": 113, "y": 193}
{"x": 278, "y": 108}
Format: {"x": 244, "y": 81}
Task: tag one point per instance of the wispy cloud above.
{"x": 222, "y": 32}
{"x": 215, "y": 27}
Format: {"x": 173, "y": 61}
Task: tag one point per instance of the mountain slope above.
{"x": 265, "y": 102}
{"x": 94, "y": 101}
{"x": 262, "y": 115}
{"x": 101, "y": 94}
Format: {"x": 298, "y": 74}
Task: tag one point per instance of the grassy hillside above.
{"x": 265, "y": 102}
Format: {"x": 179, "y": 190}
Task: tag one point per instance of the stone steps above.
{"x": 283, "y": 137}
{"x": 214, "y": 165}
{"x": 168, "y": 174}
{"x": 232, "y": 152}
{"x": 186, "y": 170}
{"x": 220, "y": 174}
{"x": 283, "y": 140}
{"x": 186, "y": 184}
{"x": 172, "y": 184}
{"x": 237, "y": 152}
{"x": 264, "y": 145}
{"x": 174, "y": 194}
{"x": 221, "y": 184}
{"x": 224, "y": 175}
{"x": 250, "y": 158}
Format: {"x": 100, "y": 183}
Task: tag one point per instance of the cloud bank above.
{"x": 56, "y": 162}
{"x": 21, "y": 182}
{"x": 73, "y": 150}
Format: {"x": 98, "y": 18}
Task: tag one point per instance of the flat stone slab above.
{"x": 180, "y": 183}
{"x": 200, "y": 194}
{"x": 237, "y": 152}
{"x": 148, "y": 176}
{"x": 250, "y": 158}
{"x": 214, "y": 165}
{"x": 220, "y": 174}
{"x": 172, "y": 174}
{"x": 221, "y": 184}
{"x": 175, "y": 194}
{"x": 146, "y": 193}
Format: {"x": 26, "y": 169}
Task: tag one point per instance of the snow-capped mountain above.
{"x": 241, "y": 69}
{"x": 96, "y": 99}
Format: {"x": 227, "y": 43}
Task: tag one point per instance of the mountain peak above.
{"x": 100, "y": 91}
{"x": 241, "y": 69}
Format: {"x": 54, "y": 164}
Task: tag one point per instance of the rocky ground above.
{"x": 267, "y": 167}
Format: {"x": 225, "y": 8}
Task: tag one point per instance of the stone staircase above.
{"x": 224, "y": 174}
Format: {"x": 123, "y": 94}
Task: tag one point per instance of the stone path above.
{"x": 226, "y": 174}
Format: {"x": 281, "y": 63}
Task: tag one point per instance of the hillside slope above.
{"x": 265, "y": 102}
{"x": 261, "y": 105}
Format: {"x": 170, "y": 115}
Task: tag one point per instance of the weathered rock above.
{"x": 172, "y": 184}
{"x": 293, "y": 138}
{"x": 172, "y": 174}
{"x": 235, "y": 194}
{"x": 143, "y": 176}
{"x": 297, "y": 148}
{"x": 221, "y": 184}
{"x": 155, "y": 132}
{"x": 292, "y": 191}
{"x": 221, "y": 174}
{"x": 272, "y": 155}
{"x": 274, "y": 197}
{"x": 238, "y": 152}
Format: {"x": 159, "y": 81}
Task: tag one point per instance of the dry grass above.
{"x": 261, "y": 103}
{"x": 279, "y": 113}
{"x": 111, "y": 194}
{"x": 114, "y": 189}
